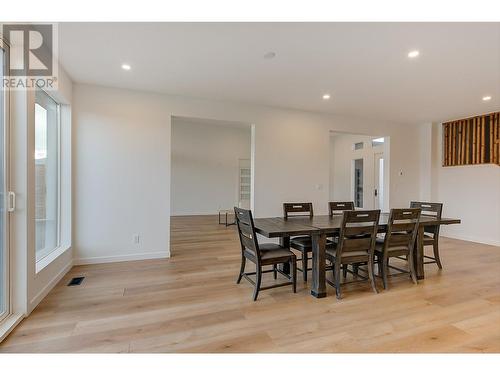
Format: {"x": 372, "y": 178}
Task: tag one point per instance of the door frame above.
{"x": 6, "y": 171}
{"x": 377, "y": 204}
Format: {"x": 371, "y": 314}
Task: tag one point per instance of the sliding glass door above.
{"x": 4, "y": 196}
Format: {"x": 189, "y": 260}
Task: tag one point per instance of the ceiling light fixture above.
{"x": 326, "y": 96}
{"x": 126, "y": 67}
{"x": 270, "y": 55}
{"x": 486, "y": 98}
{"x": 413, "y": 54}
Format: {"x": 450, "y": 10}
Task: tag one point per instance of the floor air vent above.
{"x": 76, "y": 281}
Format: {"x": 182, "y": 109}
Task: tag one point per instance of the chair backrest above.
{"x": 297, "y": 209}
{"x": 402, "y": 229}
{"x": 335, "y": 208}
{"x": 430, "y": 209}
{"x": 358, "y": 232}
{"x": 246, "y": 231}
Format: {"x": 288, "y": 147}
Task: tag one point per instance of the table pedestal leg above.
{"x": 318, "y": 287}
{"x": 285, "y": 267}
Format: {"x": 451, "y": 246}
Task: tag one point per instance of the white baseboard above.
{"x": 50, "y": 285}
{"x": 121, "y": 258}
{"x": 486, "y": 241}
{"x": 180, "y": 214}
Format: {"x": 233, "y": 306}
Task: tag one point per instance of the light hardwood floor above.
{"x": 190, "y": 303}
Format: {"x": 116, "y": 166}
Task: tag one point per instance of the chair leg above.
{"x": 411, "y": 266}
{"x": 242, "y": 269}
{"x": 385, "y": 270}
{"x": 294, "y": 274}
{"x": 304, "y": 265}
{"x": 275, "y": 271}
{"x": 344, "y": 271}
{"x": 333, "y": 271}
{"x": 258, "y": 275}
{"x": 435, "y": 247}
{"x": 355, "y": 270}
{"x": 371, "y": 266}
{"x": 338, "y": 292}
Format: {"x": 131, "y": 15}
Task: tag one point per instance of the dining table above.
{"x": 320, "y": 227}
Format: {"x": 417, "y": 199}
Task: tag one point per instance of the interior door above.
{"x": 5, "y": 198}
{"x": 378, "y": 192}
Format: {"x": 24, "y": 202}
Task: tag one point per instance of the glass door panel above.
{"x": 4, "y": 277}
{"x": 358, "y": 183}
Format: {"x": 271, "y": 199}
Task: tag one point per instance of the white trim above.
{"x": 6, "y": 240}
{"x": 50, "y": 285}
{"x": 8, "y": 325}
{"x": 121, "y": 258}
{"x": 481, "y": 240}
{"x": 50, "y": 257}
{"x": 198, "y": 213}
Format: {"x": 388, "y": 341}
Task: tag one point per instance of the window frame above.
{"x": 48, "y": 257}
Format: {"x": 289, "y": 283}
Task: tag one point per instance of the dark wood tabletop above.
{"x": 278, "y": 226}
{"x": 319, "y": 227}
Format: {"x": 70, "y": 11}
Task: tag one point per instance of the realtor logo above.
{"x": 32, "y": 59}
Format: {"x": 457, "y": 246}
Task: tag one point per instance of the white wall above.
{"x": 342, "y": 154}
{"x": 122, "y": 163}
{"x": 205, "y": 166}
{"x": 122, "y": 188}
{"x": 471, "y": 193}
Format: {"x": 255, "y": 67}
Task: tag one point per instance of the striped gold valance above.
{"x": 474, "y": 140}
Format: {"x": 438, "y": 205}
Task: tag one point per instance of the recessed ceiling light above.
{"x": 326, "y": 96}
{"x": 413, "y": 54}
{"x": 486, "y": 98}
{"x": 270, "y": 55}
{"x": 126, "y": 67}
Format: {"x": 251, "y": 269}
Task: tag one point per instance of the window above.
{"x": 46, "y": 175}
{"x": 378, "y": 142}
{"x": 4, "y": 277}
{"x": 358, "y": 183}
{"x": 358, "y": 146}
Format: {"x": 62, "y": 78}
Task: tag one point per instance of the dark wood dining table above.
{"x": 322, "y": 226}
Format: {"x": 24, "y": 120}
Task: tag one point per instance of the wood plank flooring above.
{"x": 190, "y": 303}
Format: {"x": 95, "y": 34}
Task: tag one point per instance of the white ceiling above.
{"x": 364, "y": 66}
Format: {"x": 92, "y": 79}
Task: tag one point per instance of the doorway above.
{"x": 358, "y": 170}
{"x": 211, "y": 173}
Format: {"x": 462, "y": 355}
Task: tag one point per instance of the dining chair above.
{"x": 262, "y": 255}
{"x": 356, "y": 245}
{"x": 300, "y": 243}
{"x": 337, "y": 208}
{"x": 431, "y": 233}
{"x": 399, "y": 240}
